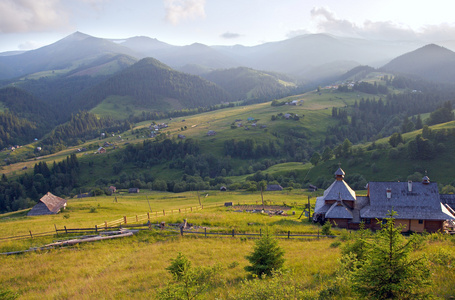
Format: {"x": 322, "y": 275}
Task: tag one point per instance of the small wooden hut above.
{"x": 49, "y": 204}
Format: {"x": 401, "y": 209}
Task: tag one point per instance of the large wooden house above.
{"x": 418, "y": 205}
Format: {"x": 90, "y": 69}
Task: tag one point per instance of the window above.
{"x": 420, "y": 221}
{"x": 367, "y": 221}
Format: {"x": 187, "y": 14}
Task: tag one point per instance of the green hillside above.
{"x": 150, "y": 82}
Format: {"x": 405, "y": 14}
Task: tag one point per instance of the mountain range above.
{"x": 82, "y": 72}
{"x": 309, "y": 58}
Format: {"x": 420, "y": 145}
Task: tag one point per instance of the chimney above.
{"x": 389, "y": 193}
{"x": 409, "y": 186}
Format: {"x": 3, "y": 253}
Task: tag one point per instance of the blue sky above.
{"x": 28, "y": 24}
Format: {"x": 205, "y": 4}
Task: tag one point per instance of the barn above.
{"x": 49, "y": 204}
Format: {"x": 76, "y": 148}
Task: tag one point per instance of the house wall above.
{"x": 406, "y": 224}
{"x": 340, "y": 223}
{"x": 416, "y": 227}
{"x": 433, "y": 226}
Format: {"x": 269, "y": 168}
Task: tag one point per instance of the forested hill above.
{"x": 245, "y": 83}
{"x": 150, "y": 82}
{"x": 24, "y": 117}
{"x": 430, "y": 62}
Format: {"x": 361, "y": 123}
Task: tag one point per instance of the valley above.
{"x": 137, "y": 127}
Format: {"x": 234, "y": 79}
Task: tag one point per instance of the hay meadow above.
{"x": 135, "y": 267}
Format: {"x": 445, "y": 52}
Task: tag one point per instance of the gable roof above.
{"x": 48, "y": 204}
{"x": 274, "y": 187}
{"x": 422, "y": 201}
{"x": 339, "y": 189}
{"x": 339, "y": 210}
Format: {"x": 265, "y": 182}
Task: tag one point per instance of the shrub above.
{"x": 266, "y": 257}
{"x": 327, "y": 228}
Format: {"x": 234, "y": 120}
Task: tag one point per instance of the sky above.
{"x": 30, "y": 24}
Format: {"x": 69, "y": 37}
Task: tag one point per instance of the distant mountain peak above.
{"x": 76, "y": 36}
{"x": 431, "y": 62}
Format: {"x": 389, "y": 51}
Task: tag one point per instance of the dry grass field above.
{"x": 134, "y": 267}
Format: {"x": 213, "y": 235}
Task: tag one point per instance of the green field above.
{"x": 134, "y": 267}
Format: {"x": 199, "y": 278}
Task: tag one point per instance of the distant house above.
{"x": 133, "y": 190}
{"x": 274, "y": 187}
{"x": 418, "y": 205}
{"x": 84, "y": 195}
{"x": 49, "y": 204}
{"x": 211, "y": 133}
{"x": 223, "y": 189}
{"x": 101, "y": 150}
{"x": 112, "y": 189}
{"x": 312, "y": 188}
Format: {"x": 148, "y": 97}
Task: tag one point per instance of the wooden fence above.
{"x": 148, "y": 216}
{"x": 287, "y": 235}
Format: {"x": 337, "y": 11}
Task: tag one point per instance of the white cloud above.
{"x": 31, "y": 15}
{"x": 434, "y": 33}
{"x": 230, "y": 35}
{"x": 326, "y": 21}
{"x": 29, "y": 45}
{"x": 178, "y": 10}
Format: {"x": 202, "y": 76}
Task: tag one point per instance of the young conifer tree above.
{"x": 388, "y": 271}
{"x": 266, "y": 257}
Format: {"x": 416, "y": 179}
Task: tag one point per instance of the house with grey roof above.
{"x": 418, "y": 205}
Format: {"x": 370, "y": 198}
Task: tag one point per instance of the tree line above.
{"x": 60, "y": 179}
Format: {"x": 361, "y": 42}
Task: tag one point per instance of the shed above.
{"x": 312, "y": 188}
{"x": 223, "y": 189}
{"x": 133, "y": 190}
{"x": 49, "y": 204}
{"x": 274, "y": 187}
{"x": 101, "y": 150}
{"x": 112, "y": 189}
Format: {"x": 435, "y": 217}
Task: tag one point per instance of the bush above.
{"x": 327, "y": 228}
{"x": 266, "y": 257}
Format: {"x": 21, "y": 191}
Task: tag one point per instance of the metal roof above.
{"x": 413, "y": 200}
{"x": 339, "y": 211}
{"x": 339, "y": 189}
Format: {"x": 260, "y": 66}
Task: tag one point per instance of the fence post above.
{"x": 164, "y": 213}
{"x": 260, "y": 231}
{"x": 318, "y": 233}
{"x": 96, "y": 228}
{"x": 205, "y": 231}
{"x": 233, "y": 235}
{"x": 137, "y": 220}
{"x": 124, "y": 219}
{"x": 56, "y": 231}
{"x": 181, "y": 231}
{"x": 105, "y": 224}
{"x": 180, "y": 211}
{"x": 148, "y": 216}
{"x": 289, "y": 234}
{"x": 66, "y": 231}
{"x": 31, "y": 234}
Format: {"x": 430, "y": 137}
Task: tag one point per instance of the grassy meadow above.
{"x": 134, "y": 267}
